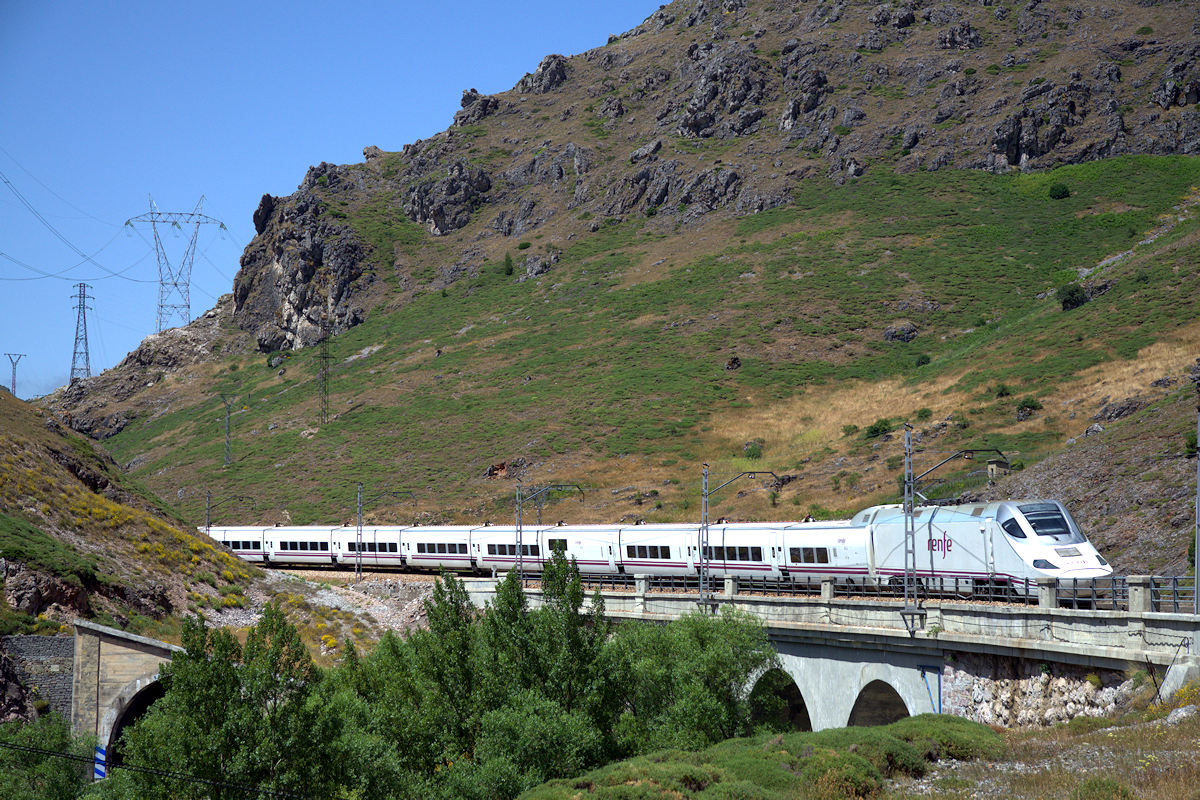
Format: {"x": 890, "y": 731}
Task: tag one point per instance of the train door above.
{"x": 777, "y": 561}
{"x": 989, "y": 547}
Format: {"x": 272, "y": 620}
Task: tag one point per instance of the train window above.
{"x": 641, "y": 551}
{"x": 631, "y": 551}
{"x": 664, "y": 551}
{"x": 557, "y": 544}
{"x": 756, "y": 554}
{"x": 535, "y": 550}
{"x": 822, "y": 555}
{"x": 743, "y": 553}
{"x": 720, "y": 554}
{"x": 1013, "y": 528}
{"x": 512, "y": 549}
{"x": 652, "y": 551}
{"x": 491, "y": 549}
{"x": 393, "y": 547}
{"x": 808, "y": 555}
{"x": 372, "y": 547}
{"x": 420, "y": 547}
{"x": 257, "y": 546}
{"x": 794, "y": 555}
{"x": 441, "y": 548}
{"x": 303, "y": 545}
{"x": 462, "y": 548}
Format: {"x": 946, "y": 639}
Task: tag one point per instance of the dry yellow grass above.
{"x": 1172, "y": 356}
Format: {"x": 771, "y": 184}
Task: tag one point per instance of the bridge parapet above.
{"x": 1104, "y": 639}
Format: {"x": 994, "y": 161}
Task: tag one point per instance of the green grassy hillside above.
{"x": 612, "y": 369}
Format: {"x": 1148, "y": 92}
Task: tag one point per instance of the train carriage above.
{"x": 379, "y": 547}
{"x": 593, "y": 547}
{"x": 438, "y": 546}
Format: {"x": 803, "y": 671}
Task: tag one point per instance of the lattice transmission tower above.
{"x": 81, "y": 362}
{"x": 174, "y": 282}
{"x": 14, "y": 358}
{"x": 323, "y": 375}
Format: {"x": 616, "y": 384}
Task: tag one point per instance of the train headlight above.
{"x": 1042, "y": 563}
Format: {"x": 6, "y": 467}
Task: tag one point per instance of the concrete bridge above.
{"x": 853, "y": 661}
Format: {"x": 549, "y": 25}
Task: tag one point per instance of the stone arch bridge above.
{"x": 114, "y": 679}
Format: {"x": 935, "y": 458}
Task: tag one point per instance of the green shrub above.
{"x": 1081, "y": 726}
{"x": 753, "y": 449}
{"x": 1099, "y": 788}
{"x": 944, "y": 736}
{"x": 524, "y": 245}
{"x": 969, "y": 71}
{"x": 1189, "y": 444}
{"x": 508, "y": 264}
{"x": 849, "y": 430}
{"x": 922, "y": 360}
{"x": 651, "y": 211}
{"x": 878, "y": 428}
{"x": 1145, "y": 30}
{"x": 841, "y": 130}
{"x": 1029, "y": 404}
{"x": 1059, "y": 191}
{"x": 1003, "y": 390}
{"x": 924, "y": 414}
{"x": 1071, "y": 296}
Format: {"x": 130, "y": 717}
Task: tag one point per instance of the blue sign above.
{"x": 101, "y": 769}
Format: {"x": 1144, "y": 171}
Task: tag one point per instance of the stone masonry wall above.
{"x": 1003, "y": 691}
{"x": 45, "y": 665}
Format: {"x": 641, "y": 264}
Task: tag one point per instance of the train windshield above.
{"x": 1047, "y": 519}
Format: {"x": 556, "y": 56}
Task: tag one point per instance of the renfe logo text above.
{"x": 942, "y": 545}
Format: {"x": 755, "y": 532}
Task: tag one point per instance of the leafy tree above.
{"x": 36, "y": 776}
{"x": 234, "y": 715}
{"x": 687, "y": 683}
{"x": 1071, "y": 296}
{"x": 1059, "y": 191}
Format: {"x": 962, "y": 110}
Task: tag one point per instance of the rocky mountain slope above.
{"x": 749, "y": 234}
{"x": 721, "y": 107}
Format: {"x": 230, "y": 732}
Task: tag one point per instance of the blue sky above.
{"x": 105, "y": 104}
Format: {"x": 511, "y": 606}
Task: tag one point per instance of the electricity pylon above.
{"x": 81, "y": 362}
{"x": 174, "y": 283}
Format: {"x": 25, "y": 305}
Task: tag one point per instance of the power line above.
{"x": 62, "y": 274}
{"x": 162, "y": 773}
{"x": 29, "y": 206}
{"x": 81, "y": 364}
{"x": 56, "y": 194}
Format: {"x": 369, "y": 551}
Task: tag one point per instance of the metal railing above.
{"x": 1174, "y": 594}
{"x": 1169, "y": 594}
{"x": 1096, "y": 594}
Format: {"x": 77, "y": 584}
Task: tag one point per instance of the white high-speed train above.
{"x": 1005, "y": 542}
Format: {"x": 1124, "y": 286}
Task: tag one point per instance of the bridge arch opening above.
{"x": 776, "y": 702}
{"x": 877, "y": 704}
{"x": 138, "y": 705}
